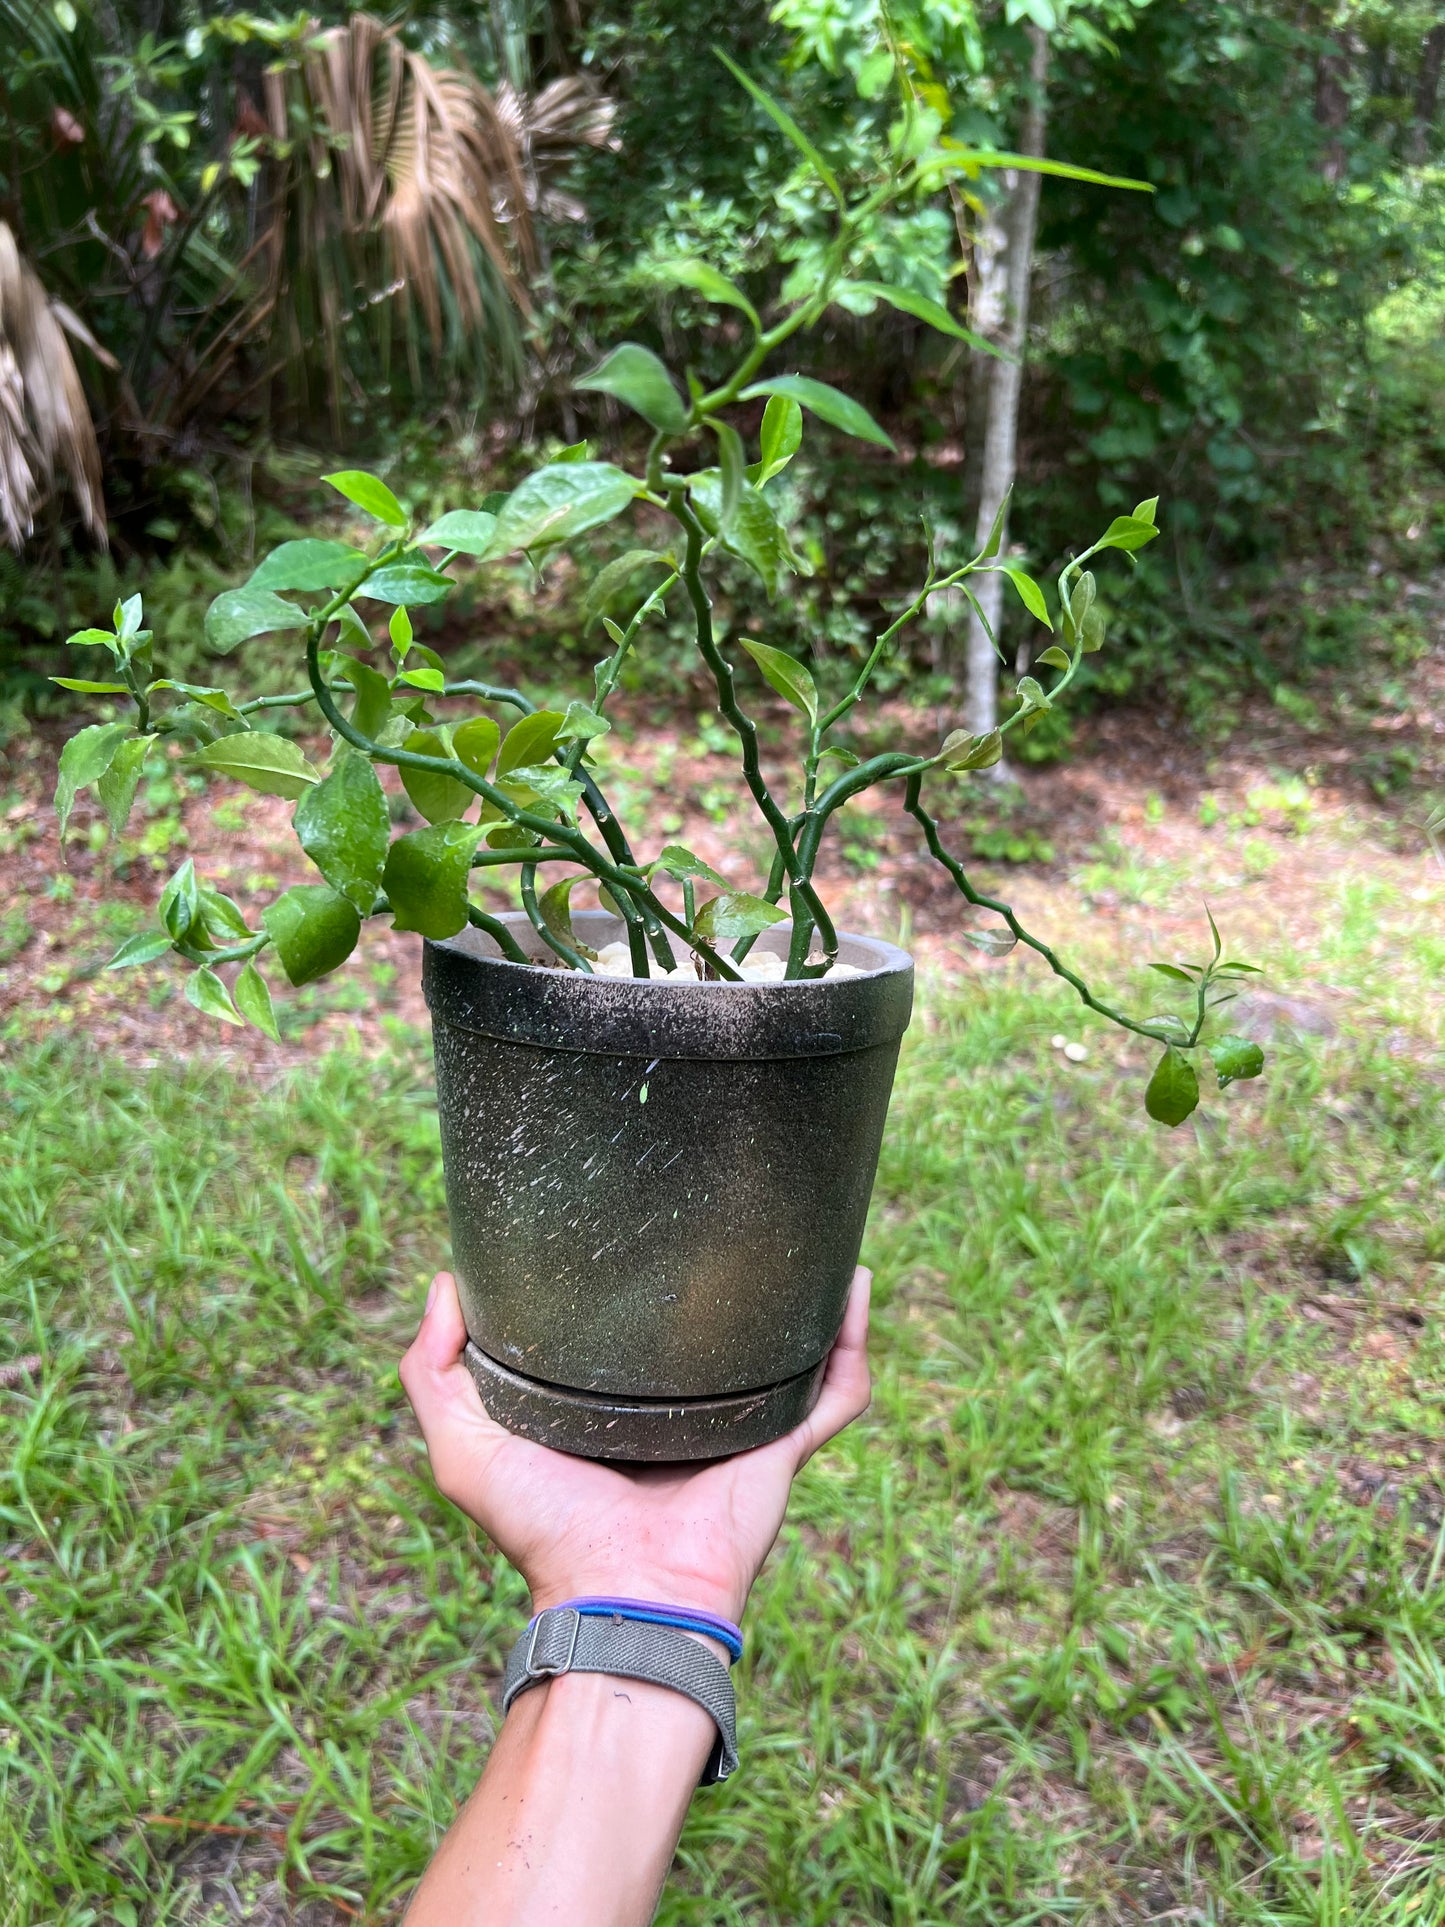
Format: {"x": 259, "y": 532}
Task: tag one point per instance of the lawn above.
{"x": 1125, "y": 1601}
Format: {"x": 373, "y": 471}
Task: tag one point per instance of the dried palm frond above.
{"x": 407, "y": 187}
{"x": 548, "y": 129}
{"x": 45, "y": 422}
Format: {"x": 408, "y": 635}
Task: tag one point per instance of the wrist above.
{"x": 685, "y": 1591}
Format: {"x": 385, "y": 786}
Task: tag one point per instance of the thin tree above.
{"x": 1003, "y": 271}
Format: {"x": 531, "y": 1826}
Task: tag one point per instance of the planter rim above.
{"x": 470, "y": 985}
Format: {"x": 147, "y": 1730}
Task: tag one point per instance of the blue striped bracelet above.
{"x": 687, "y": 1619}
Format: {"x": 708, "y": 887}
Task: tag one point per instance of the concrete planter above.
{"x": 657, "y": 1190}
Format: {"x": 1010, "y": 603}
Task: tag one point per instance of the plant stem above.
{"x": 572, "y": 958}
{"x": 976, "y": 897}
{"x": 499, "y": 933}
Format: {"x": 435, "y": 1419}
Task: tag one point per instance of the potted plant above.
{"x": 660, "y": 1116}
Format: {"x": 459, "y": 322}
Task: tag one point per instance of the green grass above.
{"x": 1126, "y": 1600}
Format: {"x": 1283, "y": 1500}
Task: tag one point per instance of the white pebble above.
{"x": 841, "y": 970}
{"x": 1076, "y": 1053}
{"x": 1058, "y": 1041}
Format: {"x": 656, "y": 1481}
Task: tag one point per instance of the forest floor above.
{"x": 1124, "y": 1603}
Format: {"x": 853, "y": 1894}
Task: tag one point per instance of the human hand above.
{"x": 679, "y": 1534}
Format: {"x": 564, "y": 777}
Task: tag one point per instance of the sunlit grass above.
{"x": 1125, "y": 1601}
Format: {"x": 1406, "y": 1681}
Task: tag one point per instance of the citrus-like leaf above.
{"x": 84, "y": 760}
{"x": 91, "y": 688}
{"x": 475, "y": 743}
{"x": 962, "y": 751}
{"x": 786, "y": 125}
{"x": 309, "y": 564}
{"x": 239, "y": 614}
{"x": 1127, "y": 532}
{"x": 788, "y": 676}
{"x": 274, "y": 765}
{"x": 437, "y": 797}
{"x": 143, "y": 948}
{"x": 1030, "y": 594}
{"x": 117, "y": 788}
{"x": 780, "y": 439}
{"x": 1173, "y": 1089}
{"x": 1055, "y": 657}
{"x": 210, "y": 996}
{"x": 707, "y": 282}
{"x": 611, "y": 580}
{"x": 675, "y": 861}
{"x": 636, "y": 377}
{"x": 468, "y": 530}
{"x": 721, "y": 919}
{"x": 582, "y": 724}
{"x": 830, "y": 405}
{"x": 560, "y": 501}
{"x": 253, "y": 1000}
{"x": 370, "y": 494}
{"x": 343, "y": 826}
{"x": 426, "y": 878}
{"x": 180, "y": 904}
{"x": 731, "y": 467}
{"x": 530, "y": 741}
{"x": 993, "y": 943}
{"x": 373, "y": 695}
{"x": 922, "y": 308}
{"x": 407, "y": 582}
{"x": 556, "y": 912}
{"x": 313, "y": 929}
{"x": 756, "y": 534}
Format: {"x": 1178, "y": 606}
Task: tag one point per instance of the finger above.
{"x": 847, "y": 1385}
{"x": 443, "y": 1332}
{"x": 443, "y": 1395}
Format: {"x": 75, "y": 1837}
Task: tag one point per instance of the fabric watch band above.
{"x": 563, "y": 1640}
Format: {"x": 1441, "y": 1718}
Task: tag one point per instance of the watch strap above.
{"x": 562, "y": 1640}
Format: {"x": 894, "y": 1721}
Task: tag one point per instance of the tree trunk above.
{"x": 1427, "y": 93}
{"x": 995, "y": 435}
{"x": 1332, "y": 107}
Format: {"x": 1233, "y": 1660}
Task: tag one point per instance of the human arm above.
{"x": 580, "y": 1806}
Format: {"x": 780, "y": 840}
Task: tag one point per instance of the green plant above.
{"x": 534, "y": 783}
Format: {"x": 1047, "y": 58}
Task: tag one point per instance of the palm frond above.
{"x": 45, "y": 423}
{"x": 549, "y": 129}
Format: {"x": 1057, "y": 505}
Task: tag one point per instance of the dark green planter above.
{"x": 657, "y": 1190}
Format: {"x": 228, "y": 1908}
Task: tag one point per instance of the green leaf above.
{"x": 313, "y": 929}
{"x": 731, "y": 464}
{"x": 830, "y": 405}
{"x": 995, "y": 535}
{"x": 205, "y": 693}
{"x": 1031, "y": 693}
{"x": 143, "y": 948}
{"x": 309, "y": 564}
{"x": 611, "y": 580}
{"x": 91, "y": 688}
{"x": 562, "y": 500}
{"x": 180, "y": 903}
{"x": 993, "y": 943}
{"x": 220, "y": 918}
{"x": 707, "y": 282}
{"x": 475, "y": 743}
{"x": 439, "y": 798}
{"x": 83, "y": 761}
{"x": 373, "y": 695}
{"x": 426, "y": 878}
{"x": 530, "y": 741}
{"x": 92, "y": 639}
{"x": 344, "y": 828}
{"x": 556, "y": 912}
{"x": 239, "y": 614}
{"x": 787, "y": 126}
{"x": 781, "y": 438}
{"x": 274, "y": 765}
{"x": 1055, "y": 657}
{"x": 636, "y": 377}
{"x": 402, "y": 635}
{"x": 547, "y": 784}
{"x": 210, "y": 996}
{"x": 469, "y": 531}
{"x": 581, "y": 724}
{"x": 961, "y": 751}
{"x": 1147, "y": 511}
{"x": 1127, "y": 532}
{"x": 756, "y": 534}
{"x": 409, "y": 582}
{"x": 253, "y": 1000}
{"x": 844, "y": 756}
{"x": 431, "y": 680}
{"x": 1093, "y": 633}
{"x": 352, "y": 632}
{"x": 1030, "y": 594}
{"x": 1173, "y": 1089}
{"x": 675, "y": 861}
{"x": 788, "y": 676}
{"x": 923, "y": 309}
{"x": 1081, "y": 600}
{"x": 1173, "y": 972}
{"x": 370, "y": 494}
{"x": 1236, "y": 1057}
{"x": 721, "y": 919}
